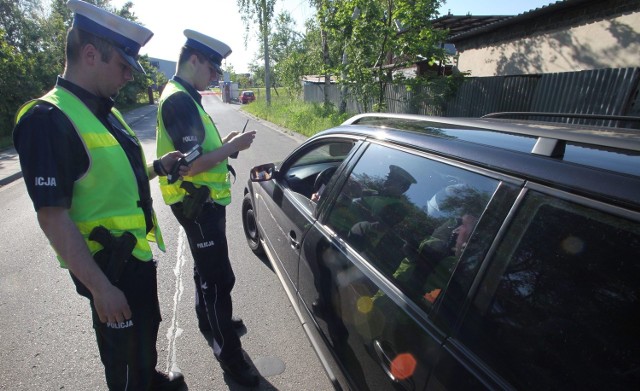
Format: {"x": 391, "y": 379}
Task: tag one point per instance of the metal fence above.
{"x": 611, "y": 91}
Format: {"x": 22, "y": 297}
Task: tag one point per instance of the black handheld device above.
{"x": 188, "y": 158}
{"x": 235, "y": 154}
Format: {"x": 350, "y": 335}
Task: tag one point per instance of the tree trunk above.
{"x": 265, "y": 40}
{"x": 327, "y": 76}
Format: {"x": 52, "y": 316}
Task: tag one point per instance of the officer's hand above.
{"x": 170, "y": 159}
{"x": 111, "y": 305}
{"x": 230, "y": 136}
{"x": 244, "y": 140}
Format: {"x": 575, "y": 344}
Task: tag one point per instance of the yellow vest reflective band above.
{"x": 107, "y": 194}
{"x": 216, "y": 178}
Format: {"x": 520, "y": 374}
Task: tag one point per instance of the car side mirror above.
{"x": 263, "y": 172}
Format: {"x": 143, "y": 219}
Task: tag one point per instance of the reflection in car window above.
{"x": 303, "y": 174}
{"x": 558, "y": 308}
{"x": 410, "y": 217}
{"x": 326, "y": 152}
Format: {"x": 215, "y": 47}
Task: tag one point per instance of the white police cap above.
{"x": 215, "y": 51}
{"x": 126, "y": 36}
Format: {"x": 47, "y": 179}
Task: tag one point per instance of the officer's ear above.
{"x": 194, "y": 60}
{"x": 90, "y": 55}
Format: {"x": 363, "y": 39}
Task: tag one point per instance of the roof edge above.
{"x": 558, "y": 5}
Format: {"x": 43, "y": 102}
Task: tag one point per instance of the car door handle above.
{"x": 292, "y": 239}
{"x": 386, "y": 357}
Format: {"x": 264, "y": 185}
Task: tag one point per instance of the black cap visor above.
{"x": 135, "y": 65}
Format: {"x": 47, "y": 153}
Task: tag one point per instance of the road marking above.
{"x": 174, "y": 332}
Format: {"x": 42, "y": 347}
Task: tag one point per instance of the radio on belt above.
{"x": 188, "y": 158}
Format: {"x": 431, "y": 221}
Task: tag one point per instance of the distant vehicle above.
{"x": 427, "y": 253}
{"x": 247, "y": 97}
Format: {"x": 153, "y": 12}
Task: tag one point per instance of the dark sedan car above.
{"x": 425, "y": 253}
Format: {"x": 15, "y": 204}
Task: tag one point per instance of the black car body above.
{"x": 426, "y": 253}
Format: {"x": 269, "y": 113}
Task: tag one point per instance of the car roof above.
{"x": 566, "y": 156}
{"x": 613, "y": 137}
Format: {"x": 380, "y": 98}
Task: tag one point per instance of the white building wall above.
{"x": 613, "y": 43}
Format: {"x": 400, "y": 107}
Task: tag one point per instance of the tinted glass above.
{"x": 302, "y": 173}
{"x": 559, "y": 306}
{"x": 410, "y": 217}
{"x": 627, "y": 162}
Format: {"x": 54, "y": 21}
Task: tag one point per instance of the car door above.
{"x": 375, "y": 266}
{"x": 285, "y": 210}
{"x": 556, "y": 308}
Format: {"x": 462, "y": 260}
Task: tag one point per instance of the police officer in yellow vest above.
{"x": 86, "y": 174}
{"x": 183, "y": 124}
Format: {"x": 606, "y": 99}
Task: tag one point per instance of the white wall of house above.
{"x": 612, "y": 43}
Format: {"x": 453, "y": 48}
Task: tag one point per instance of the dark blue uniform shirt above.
{"x": 181, "y": 118}
{"x": 53, "y": 156}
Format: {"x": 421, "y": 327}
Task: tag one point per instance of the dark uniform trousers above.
{"x": 213, "y": 277}
{"x": 128, "y": 349}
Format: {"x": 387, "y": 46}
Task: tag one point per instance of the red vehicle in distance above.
{"x": 247, "y": 97}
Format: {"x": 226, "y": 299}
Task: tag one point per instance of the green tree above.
{"x": 325, "y": 9}
{"x": 32, "y": 40}
{"x": 262, "y": 10}
{"x": 380, "y": 37}
{"x": 285, "y": 42}
{"x": 29, "y": 59}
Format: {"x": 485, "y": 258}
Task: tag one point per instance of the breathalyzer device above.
{"x": 187, "y": 159}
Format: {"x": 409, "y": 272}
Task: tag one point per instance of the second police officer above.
{"x": 199, "y": 200}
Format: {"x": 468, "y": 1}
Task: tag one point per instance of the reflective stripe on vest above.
{"x": 216, "y": 178}
{"x": 107, "y": 194}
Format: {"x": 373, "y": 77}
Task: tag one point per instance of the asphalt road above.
{"x": 46, "y": 340}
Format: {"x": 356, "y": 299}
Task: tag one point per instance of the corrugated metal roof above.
{"x": 535, "y": 13}
{"x": 459, "y": 24}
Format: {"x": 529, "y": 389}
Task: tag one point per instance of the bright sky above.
{"x": 221, "y": 19}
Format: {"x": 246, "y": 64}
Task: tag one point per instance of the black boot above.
{"x": 240, "y": 371}
{"x": 171, "y": 381}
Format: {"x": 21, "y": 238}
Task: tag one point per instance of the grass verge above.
{"x": 294, "y": 114}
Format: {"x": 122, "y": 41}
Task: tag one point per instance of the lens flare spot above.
{"x": 573, "y": 245}
{"x": 403, "y": 366}
{"x": 364, "y": 304}
{"x": 432, "y": 296}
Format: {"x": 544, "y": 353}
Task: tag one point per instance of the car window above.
{"x": 410, "y": 217}
{"x": 309, "y": 171}
{"x": 558, "y": 306}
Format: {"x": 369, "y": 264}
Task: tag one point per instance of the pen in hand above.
{"x": 235, "y": 154}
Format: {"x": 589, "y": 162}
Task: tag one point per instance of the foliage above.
{"x": 287, "y": 111}
{"x": 32, "y": 40}
{"x": 294, "y": 55}
{"x": 262, "y": 10}
{"x": 379, "y": 38}
{"x": 30, "y": 56}
{"x": 303, "y": 57}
